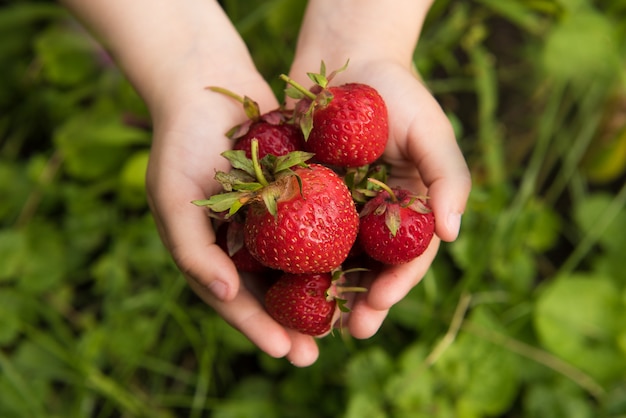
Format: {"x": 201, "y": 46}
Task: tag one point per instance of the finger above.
{"x": 364, "y": 321}
{"x": 248, "y": 316}
{"x": 394, "y": 282}
{"x": 442, "y": 167}
{"x": 304, "y": 350}
{"x": 386, "y": 289}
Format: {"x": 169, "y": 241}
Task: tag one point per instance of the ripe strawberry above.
{"x": 309, "y": 303}
{"x": 396, "y": 226}
{"x": 302, "y": 221}
{"x": 229, "y": 237}
{"x": 277, "y": 139}
{"x": 300, "y": 302}
{"x": 344, "y": 125}
{"x": 272, "y": 129}
{"x": 313, "y": 228}
{"x": 352, "y": 129}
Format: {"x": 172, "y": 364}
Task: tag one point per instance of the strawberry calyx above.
{"x": 321, "y": 79}
{"x": 250, "y": 180}
{"x": 310, "y": 99}
{"x": 362, "y": 189}
{"x": 395, "y": 199}
{"x": 339, "y": 287}
{"x": 250, "y": 107}
{"x": 253, "y": 113}
{"x": 234, "y": 237}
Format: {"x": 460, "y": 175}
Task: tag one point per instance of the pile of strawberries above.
{"x": 306, "y": 194}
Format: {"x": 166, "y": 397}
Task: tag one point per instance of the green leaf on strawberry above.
{"x": 321, "y": 79}
{"x": 252, "y": 180}
{"x": 338, "y": 288}
{"x": 237, "y": 181}
{"x": 294, "y": 93}
{"x": 356, "y": 178}
{"x": 317, "y": 96}
{"x": 222, "y": 202}
{"x": 239, "y": 161}
{"x": 295, "y": 158}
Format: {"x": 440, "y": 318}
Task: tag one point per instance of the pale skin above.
{"x": 171, "y": 53}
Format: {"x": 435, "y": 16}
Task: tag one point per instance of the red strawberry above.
{"x": 313, "y": 228}
{"x": 309, "y": 303}
{"x": 277, "y": 139}
{"x": 396, "y": 226}
{"x": 300, "y": 302}
{"x": 272, "y": 129}
{"x": 344, "y": 126}
{"x": 301, "y": 220}
{"x": 229, "y": 237}
{"x": 352, "y": 129}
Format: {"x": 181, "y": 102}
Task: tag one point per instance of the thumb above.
{"x": 448, "y": 195}
{"x": 443, "y": 169}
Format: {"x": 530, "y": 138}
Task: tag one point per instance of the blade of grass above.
{"x": 155, "y": 365}
{"x": 489, "y": 135}
{"x": 527, "y": 189}
{"x": 184, "y": 321}
{"x": 548, "y": 125}
{"x": 21, "y": 386}
{"x": 204, "y": 352}
{"x": 91, "y": 376}
{"x": 573, "y": 140}
{"x": 518, "y": 13}
{"x": 453, "y": 330}
{"x": 161, "y": 300}
{"x": 203, "y": 384}
{"x": 586, "y": 244}
{"x": 538, "y": 356}
{"x": 446, "y": 341}
{"x": 256, "y": 16}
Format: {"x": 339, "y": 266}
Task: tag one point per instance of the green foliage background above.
{"x": 523, "y": 316}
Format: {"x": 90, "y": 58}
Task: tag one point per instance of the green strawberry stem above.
{"x": 226, "y": 92}
{"x": 346, "y": 289}
{"x": 258, "y": 172}
{"x": 385, "y": 187}
{"x": 249, "y": 106}
{"x": 299, "y": 87}
{"x": 339, "y": 289}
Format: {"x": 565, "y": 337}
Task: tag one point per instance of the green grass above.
{"x": 523, "y": 316}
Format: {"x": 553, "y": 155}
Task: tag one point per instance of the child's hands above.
{"x": 183, "y": 47}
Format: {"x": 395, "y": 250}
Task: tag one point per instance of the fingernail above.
{"x": 219, "y": 289}
{"x": 454, "y": 224}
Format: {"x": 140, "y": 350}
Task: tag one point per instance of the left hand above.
{"x": 424, "y": 158}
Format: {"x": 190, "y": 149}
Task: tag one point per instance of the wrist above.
{"x": 189, "y": 103}
{"x": 184, "y": 87}
{"x": 169, "y": 51}
{"x": 360, "y": 30}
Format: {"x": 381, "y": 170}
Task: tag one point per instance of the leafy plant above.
{"x": 521, "y": 316}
